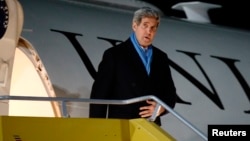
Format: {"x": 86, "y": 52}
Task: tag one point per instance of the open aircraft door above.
{"x": 21, "y": 70}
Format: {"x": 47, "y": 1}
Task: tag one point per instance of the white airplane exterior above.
{"x": 209, "y": 63}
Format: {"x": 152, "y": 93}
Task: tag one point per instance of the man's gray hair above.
{"x": 145, "y": 12}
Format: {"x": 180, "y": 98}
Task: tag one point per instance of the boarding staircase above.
{"x": 65, "y": 128}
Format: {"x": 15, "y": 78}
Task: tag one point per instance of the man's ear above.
{"x": 134, "y": 26}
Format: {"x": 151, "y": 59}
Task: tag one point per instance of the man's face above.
{"x": 145, "y": 31}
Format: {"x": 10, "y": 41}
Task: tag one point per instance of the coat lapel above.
{"x": 135, "y": 60}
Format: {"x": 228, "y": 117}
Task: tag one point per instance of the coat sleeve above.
{"x": 168, "y": 92}
{"x": 101, "y": 88}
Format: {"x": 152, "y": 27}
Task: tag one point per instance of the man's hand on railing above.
{"x": 147, "y": 111}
